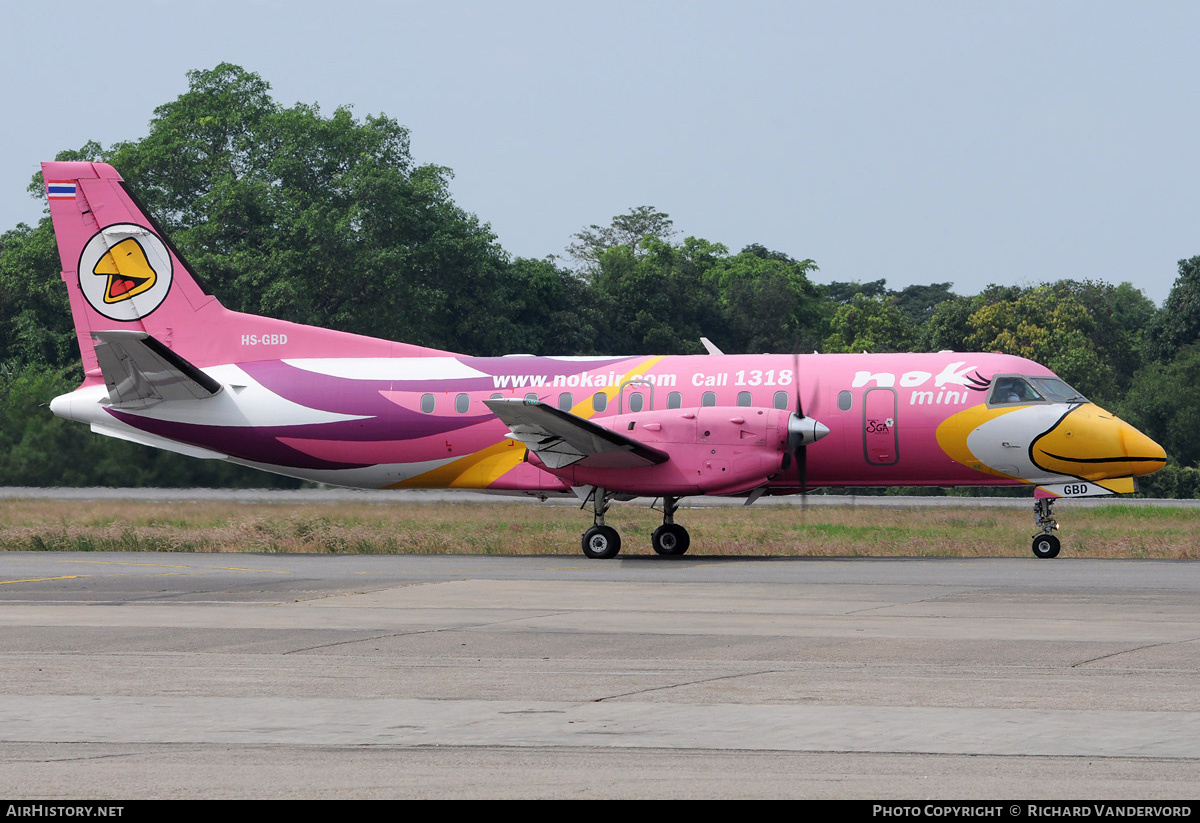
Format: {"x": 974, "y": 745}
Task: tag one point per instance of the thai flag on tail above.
{"x": 60, "y": 189}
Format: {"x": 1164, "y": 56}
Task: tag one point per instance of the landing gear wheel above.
{"x": 601, "y": 542}
{"x": 670, "y": 539}
{"x": 1045, "y": 546}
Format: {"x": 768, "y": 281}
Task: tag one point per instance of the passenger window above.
{"x": 565, "y": 401}
{"x": 531, "y": 398}
{"x": 709, "y": 398}
{"x": 744, "y": 398}
{"x": 427, "y": 403}
{"x": 636, "y": 401}
{"x": 461, "y": 403}
{"x": 845, "y": 400}
{"x": 674, "y": 400}
{"x": 599, "y": 401}
{"x": 496, "y": 396}
{"x": 781, "y": 399}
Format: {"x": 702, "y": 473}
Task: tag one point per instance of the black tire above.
{"x": 670, "y": 540}
{"x": 601, "y": 542}
{"x": 1045, "y": 546}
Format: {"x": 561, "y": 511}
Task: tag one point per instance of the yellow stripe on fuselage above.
{"x": 484, "y": 467}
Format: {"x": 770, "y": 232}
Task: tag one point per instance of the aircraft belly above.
{"x": 382, "y": 476}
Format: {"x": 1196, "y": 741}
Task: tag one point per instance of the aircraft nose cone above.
{"x": 1146, "y": 455}
{"x": 1089, "y": 442}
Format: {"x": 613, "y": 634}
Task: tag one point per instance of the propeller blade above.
{"x": 802, "y": 431}
{"x": 802, "y": 467}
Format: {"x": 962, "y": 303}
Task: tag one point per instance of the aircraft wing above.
{"x": 140, "y": 371}
{"x": 560, "y": 438}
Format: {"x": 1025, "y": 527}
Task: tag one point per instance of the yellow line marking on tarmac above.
{"x": 126, "y": 563}
{"x": 176, "y": 566}
{"x": 240, "y": 569}
{"x": 43, "y": 579}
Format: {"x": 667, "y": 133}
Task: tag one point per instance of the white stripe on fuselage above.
{"x": 243, "y": 402}
{"x": 388, "y": 368}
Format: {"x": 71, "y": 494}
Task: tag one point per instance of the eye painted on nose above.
{"x": 1089, "y": 442}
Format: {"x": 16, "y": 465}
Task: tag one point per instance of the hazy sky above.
{"x": 973, "y": 142}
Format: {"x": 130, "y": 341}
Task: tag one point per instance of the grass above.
{"x": 1117, "y": 531}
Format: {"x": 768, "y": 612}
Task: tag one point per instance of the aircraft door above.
{"x": 636, "y": 402}
{"x": 880, "y": 445}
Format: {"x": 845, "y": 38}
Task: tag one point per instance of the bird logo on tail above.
{"x": 125, "y": 271}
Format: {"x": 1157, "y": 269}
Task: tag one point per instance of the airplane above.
{"x": 167, "y": 366}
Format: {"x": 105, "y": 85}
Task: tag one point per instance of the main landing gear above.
{"x": 1045, "y": 544}
{"x": 602, "y": 542}
{"x": 670, "y": 539}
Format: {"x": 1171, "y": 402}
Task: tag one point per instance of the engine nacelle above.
{"x": 714, "y": 450}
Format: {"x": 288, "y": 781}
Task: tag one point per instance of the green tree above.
{"x": 539, "y": 308}
{"x": 872, "y": 324}
{"x": 315, "y": 219}
{"x": 1178, "y": 324}
{"x": 1119, "y": 317}
{"x": 628, "y": 230}
{"x": 844, "y": 291}
{"x": 918, "y": 303}
{"x": 657, "y": 301}
{"x": 35, "y": 317}
{"x": 767, "y": 302}
{"x": 1164, "y": 403}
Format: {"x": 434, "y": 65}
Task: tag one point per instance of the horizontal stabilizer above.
{"x": 140, "y": 371}
{"x": 560, "y": 438}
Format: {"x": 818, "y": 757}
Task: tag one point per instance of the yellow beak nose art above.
{"x": 129, "y": 272}
{"x": 1089, "y": 442}
{"x": 1040, "y": 442}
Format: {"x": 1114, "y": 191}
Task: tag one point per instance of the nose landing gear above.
{"x": 1045, "y": 544}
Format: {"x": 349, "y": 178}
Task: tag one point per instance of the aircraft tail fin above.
{"x": 123, "y": 273}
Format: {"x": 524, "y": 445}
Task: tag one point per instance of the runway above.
{"x": 184, "y": 675}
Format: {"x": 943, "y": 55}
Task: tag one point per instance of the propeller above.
{"x": 802, "y": 432}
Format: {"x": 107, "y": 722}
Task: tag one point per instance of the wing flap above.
{"x": 560, "y": 438}
{"x": 139, "y": 371}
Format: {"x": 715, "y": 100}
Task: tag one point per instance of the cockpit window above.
{"x": 1010, "y": 388}
{"x": 1056, "y": 390}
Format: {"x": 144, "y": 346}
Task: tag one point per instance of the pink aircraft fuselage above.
{"x": 166, "y": 365}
